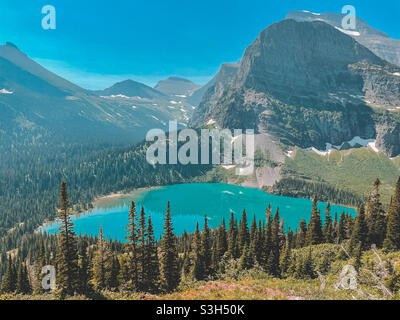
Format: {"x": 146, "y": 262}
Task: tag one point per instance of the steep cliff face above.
{"x": 376, "y": 41}
{"x": 388, "y": 135}
{"x": 307, "y": 84}
{"x": 224, "y": 75}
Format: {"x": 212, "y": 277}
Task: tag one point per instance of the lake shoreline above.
{"x": 99, "y": 201}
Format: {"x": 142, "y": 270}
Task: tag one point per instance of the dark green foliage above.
{"x": 222, "y": 241}
{"x": 375, "y": 217}
{"x": 341, "y": 233}
{"x": 274, "y": 256}
{"x": 23, "y": 286}
{"x": 198, "y": 271}
{"x": 84, "y": 268}
{"x": 142, "y": 250}
{"x": 169, "y": 255}
{"x": 327, "y": 231}
{"x": 301, "y": 235}
{"x": 67, "y": 254}
{"x": 392, "y": 241}
{"x": 244, "y": 234}
{"x": 298, "y": 188}
{"x": 360, "y": 231}
{"x": 10, "y": 277}
{"x": 152, "y": 263}
{"x": 101, "y": 263}
{"x": 286, "y": 258}
{"x": 206, "y": 249}
{"x": 246, "y": 260}
{"x": 314, "y": 231}
{"x": 232, "y": 238}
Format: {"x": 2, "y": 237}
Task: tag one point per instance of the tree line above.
{"x": 90, "y": 266}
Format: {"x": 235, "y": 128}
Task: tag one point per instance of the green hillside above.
{"x": 354, "y": 170}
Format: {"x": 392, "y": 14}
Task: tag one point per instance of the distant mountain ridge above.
{"x": 224, "y": 74}
{"x": 307, "y": 84}
{"x": 174, "y": 86}
{"x": 36, "y": 104}
{"x": 377, "y": 41}
{"x": 131, "y": 88}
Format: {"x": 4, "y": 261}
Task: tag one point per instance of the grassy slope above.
{"x": 354, "y": 170}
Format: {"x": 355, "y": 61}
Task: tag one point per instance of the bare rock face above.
{"x": 376, "y": 41}
{"x": 224, "y": 75}
{"x": 306, "y": 84}
{"x": 388, "y": 137}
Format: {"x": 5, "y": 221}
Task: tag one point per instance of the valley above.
{"x": 324, "y": 105}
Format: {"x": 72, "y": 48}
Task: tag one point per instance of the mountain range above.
{"x": 36, "y": 104}
{"x": 308, "y": 84}
{"x": 377, "y": 41}
{"x": 303, "y": 83}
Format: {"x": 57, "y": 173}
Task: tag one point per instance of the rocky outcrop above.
{"x": 224, "y": 75}
{"x": 376, "y": 41}
{"x": 388, "y": 137}
{"x": 306, "y": 84}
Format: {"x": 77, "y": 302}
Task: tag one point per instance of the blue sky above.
{"x": 97, "y": 43}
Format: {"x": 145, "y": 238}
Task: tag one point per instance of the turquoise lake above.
{"x": 189, "y": 204}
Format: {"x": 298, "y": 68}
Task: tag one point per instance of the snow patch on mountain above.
{"x": 315, "y": 14}
{"x": 349, "y": 32}
{"x": 5, "y": 91}
{"x": 356, "y": 141}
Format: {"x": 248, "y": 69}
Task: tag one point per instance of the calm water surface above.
{"x": 189, "y": 204}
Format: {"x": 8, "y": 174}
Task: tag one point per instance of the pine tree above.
{"x": 23, "y": 286}
{"x": 335, "y": 227}
{"x": 101, "y": 263}
{"x": 301, "y": 235}
{"x": 153, "y": 269}
{"x": 112, "y": 273}
{"x": 360, "y": 231}
{"x": 246, "y": 260}
{"x": 222, "y": 241}
{"x": 83, "y": 273}
{"x": 328, "y": 227}
{"x": 198, "y": 271}
{"x": 132, "y": 248}
{"x": 244, "y": 234}
{"x": 206, "y": 249}
{"x": 375, "y": 217}
{"x": 308, "y": 265}
{"x": 342, "y": 228}
{"x": 67, "y": 253}
{"x": 273, "y": 261}
{"x": 232, "y": 237}
{"x": 8, "y": 284}
{"x": 259, "y": 241}
{"x": 285, "y": 258}
{"x": 267, "y": 239}
{"x": 142, "y": 249}
{"x": 314, "y": 231}
{"x": 42, "y": 263}
{"x": 253, "y": 234}
{"x": 169, "y": 255}
{"x": 392, "y": 241}
{"x": 349, "y": 224}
